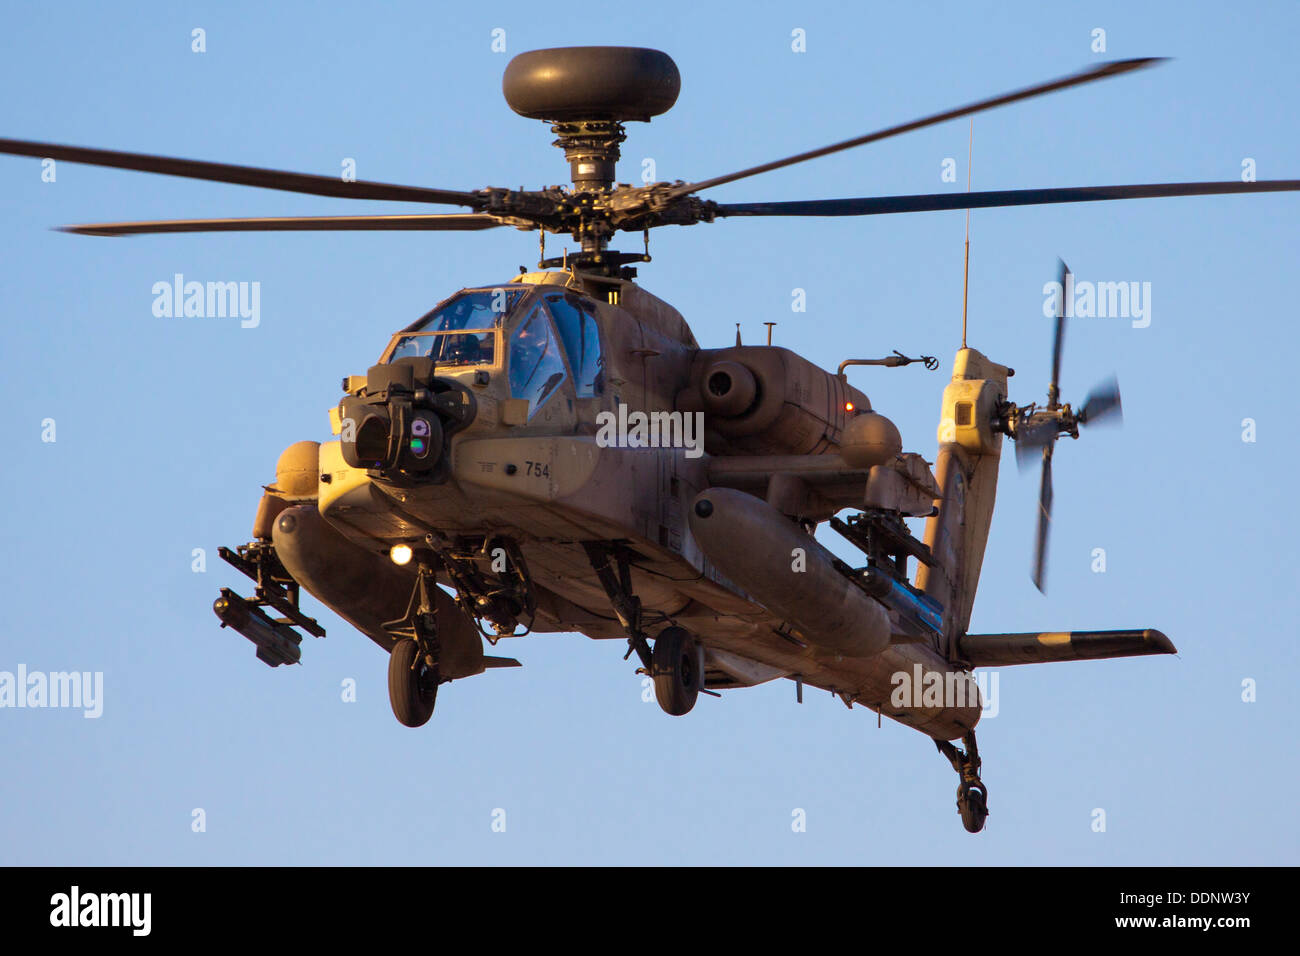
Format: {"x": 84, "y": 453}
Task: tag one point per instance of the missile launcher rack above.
{"x": 276, "y": 640}
{"x": 885, "y": 540}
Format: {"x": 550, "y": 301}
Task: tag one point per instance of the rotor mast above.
{"x": 593, "y": 148}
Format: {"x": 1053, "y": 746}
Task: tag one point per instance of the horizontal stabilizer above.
{"x": 490, "y": 662}
{"x": 998, "y": 650}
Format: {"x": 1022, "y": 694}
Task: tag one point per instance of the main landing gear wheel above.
{"x": 972, "y": 794}
{"x": 412, "y": 684}
{"x": 972, "y": 804}
{"x": 678, "y": 670}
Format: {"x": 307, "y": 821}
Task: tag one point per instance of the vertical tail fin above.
{"x": 966, "y": 467}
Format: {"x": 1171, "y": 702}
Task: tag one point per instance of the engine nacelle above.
{"x": 870, "y": 439}
{"x": 764, "y": 400}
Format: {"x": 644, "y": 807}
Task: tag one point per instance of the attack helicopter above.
{"x": 557, "y": 453}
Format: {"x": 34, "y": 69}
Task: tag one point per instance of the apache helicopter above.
{"x": 478, "y": 490}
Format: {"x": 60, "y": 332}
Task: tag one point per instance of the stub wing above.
{"x": 998, "y": 650}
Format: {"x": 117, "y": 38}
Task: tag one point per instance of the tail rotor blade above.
{"x": 1024, "y": 454}
{"x": 1030, "y": 440}
{"x": 1044, "y": 522}
{"x": 1102, "y": 404}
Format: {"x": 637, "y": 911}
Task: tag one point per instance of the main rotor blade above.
{"x": 1075, "y": 79}
{"x": 240, "y": 175}
{"x": 1058, "y": 337}
{"x": 1044, "y": 521}
{"x": 932, "y": 202}
{"x": 1102, "y": 403}
{"x": 459, "y": 222}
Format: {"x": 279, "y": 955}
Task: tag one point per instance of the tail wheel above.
{"x": 678, "y": 670}
{"x": 412, "y": 684}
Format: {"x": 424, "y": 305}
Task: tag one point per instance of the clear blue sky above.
{"x": 167, "y": 427}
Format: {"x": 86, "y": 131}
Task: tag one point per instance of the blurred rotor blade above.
{"x": 1031, "y": 439}
{"x": 1074, "y": 79}
{"x": 458, "y": 222}
{"x": 1102, "y": 403}
{"x": 240, "y": 175}
{"x": 932, "y": 202}
{"x": 1044, "y": 521}
{"x": 1058, "y": 337}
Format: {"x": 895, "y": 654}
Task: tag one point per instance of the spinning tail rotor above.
{"x": 1037, "y": 429}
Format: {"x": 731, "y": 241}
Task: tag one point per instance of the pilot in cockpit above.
{"x": 461, "y": 350}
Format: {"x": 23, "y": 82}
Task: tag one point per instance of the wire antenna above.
{"x": 965, "y": 279}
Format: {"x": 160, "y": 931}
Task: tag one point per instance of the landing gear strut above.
{"x": 614, "y": 571}
{"x": 413, "y": 675}
{"x": 676, "y": 662}
{"x": 972, "y": 794}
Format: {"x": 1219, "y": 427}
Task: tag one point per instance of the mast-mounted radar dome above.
{"x": 620, "y": 83}
{"x": 587, "y": 93}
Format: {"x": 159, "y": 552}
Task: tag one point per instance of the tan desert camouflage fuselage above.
{"x": 748, "y": 580}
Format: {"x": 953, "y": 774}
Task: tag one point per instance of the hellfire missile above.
{"x": 276, "y": 643}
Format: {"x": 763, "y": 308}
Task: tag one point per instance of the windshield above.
{"x": 461, "y": 331}
{"x": 448, "y": 348}
{"x": 536, "y": 368}
{"x": 573, "y": 317}
{"x": 481, "y": 309}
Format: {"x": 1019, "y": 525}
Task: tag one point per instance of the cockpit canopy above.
{"x": 544, "y": 335}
